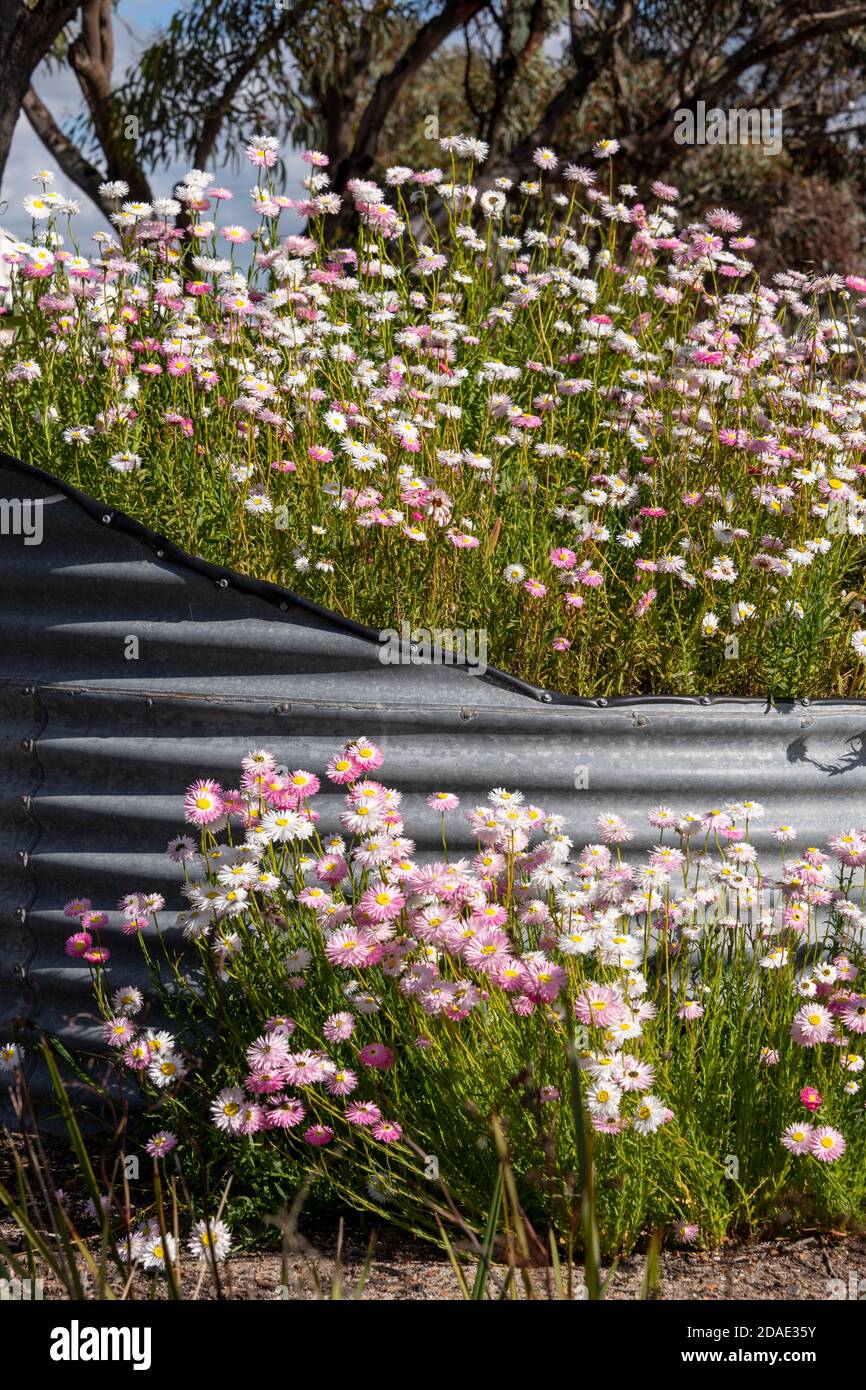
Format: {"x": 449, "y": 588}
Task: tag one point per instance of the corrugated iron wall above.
{"x": 97, "y": 748}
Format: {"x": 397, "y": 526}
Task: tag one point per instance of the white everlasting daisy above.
{"x": 284, "y": 826}
{"x": 159, "y": 1250}
{"x": 210, "y": 1240}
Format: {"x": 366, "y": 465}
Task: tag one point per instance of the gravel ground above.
{"x": 402, "y": 1269}
{"x": 809, "y": 1266}
{"x": 799, "y": 1269}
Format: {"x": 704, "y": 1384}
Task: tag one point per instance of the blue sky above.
{"x": 136, "y": 21}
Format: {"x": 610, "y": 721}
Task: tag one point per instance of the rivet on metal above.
{"x": 465, "y": 712}
{"x": 106, "y": 520}
{"x": 222, "y": 583}
{"x": 705, "y": 700}
{"x": 601, "y": 703}
{"x": 546, "y": 696}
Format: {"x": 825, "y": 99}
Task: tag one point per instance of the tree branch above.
{"x": 589, "y": 66}
{"x": 26, "y": 35}
{"x": 757, "y": 52}
{"x": 509, "y": 69}
{"x": 67, "y": 154}
{"x": 429, "y": 37}
{"x": 90, "y": 55}
{"x": 221, "y": 107}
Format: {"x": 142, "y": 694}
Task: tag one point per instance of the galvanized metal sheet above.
{"x": 97, "y": 749}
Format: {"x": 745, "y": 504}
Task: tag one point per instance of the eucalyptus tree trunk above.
{"x": 28, "y": 28}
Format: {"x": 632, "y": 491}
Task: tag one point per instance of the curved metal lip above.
{"x": 276, "y": 594}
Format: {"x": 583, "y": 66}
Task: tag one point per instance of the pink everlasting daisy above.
{"x": 304, "y": 784}
{"x": 797, "y": 1138}
{"x": 204, "y": 802}
{"x": 137, "y": 1056}
{"x": 281, "y": 1024}
{"x": 342, "y": 1082}
{"x": 363, "y": 1112}
{"x": 161, "y": 1143}
{"x": 614, "y": 830}
{"x": 599, "y": 1006}
{"x": 382, "y": 903}
{"x": 93, "y": 921}
{"x": 284, "y": 1112}
{"x": 348, "y": 946}
{"x": 853, "y": 1013}
{"x": 489, "y": 951}
{"x": 812, "y": 1024}
{"x": 317, "y": 1135}
{"x": 690, "y": 1010}
{"x": 811, "y": 1099}
{"x": 544, "y": 982}
{"x": 826, "y": 1144}
{"x": 339, "y": 1027}
{"x": 79, "y": 943}
{"x": 366, "y": 755}
{"x": 270, "y": 1052}
{"x": 265, "y": 1083}
{"x": 387, "y": 1132}
{"x": 132, "y": 925}
{"x": 117, "y": 1032}
{"x": 76, "y": 907}
{"x": 376, "y": 1055}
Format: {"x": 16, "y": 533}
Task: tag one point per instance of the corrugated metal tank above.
{"x": 97, "y": 748}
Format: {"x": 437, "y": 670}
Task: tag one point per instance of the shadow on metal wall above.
{"x": 100, "y": 735}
